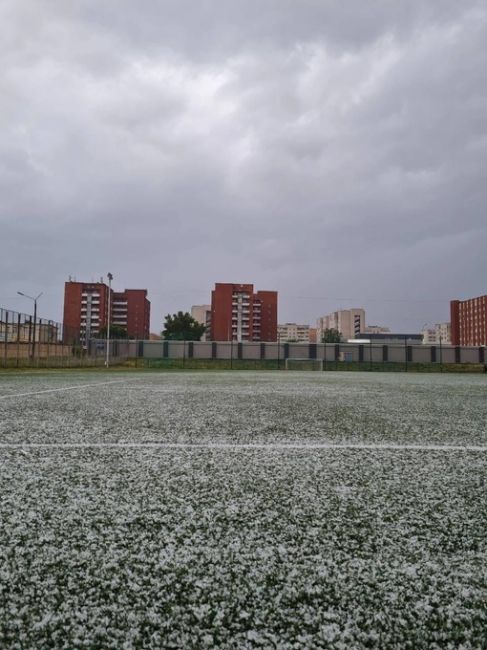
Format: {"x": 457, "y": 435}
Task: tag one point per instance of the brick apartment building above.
{"x": 239, "y": 314}
{"x": 86, "y": 309}
{"x": 469, "y": 321}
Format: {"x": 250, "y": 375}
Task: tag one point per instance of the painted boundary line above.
{"x": 239, "y": 447}
{"x": 65, "y": 388}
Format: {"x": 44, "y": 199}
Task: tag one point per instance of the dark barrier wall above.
{"x": 344, "y": 352}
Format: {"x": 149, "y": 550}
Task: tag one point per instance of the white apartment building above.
{"x": 349, "y": 322}
{"x": 293, "y": 332}
{"x": 202, "y": 314}
{"x": 440, "y": 333}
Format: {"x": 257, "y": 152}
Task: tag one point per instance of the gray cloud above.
{"x": 333, "y": 151}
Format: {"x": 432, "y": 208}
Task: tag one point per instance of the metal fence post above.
{"x": 5, "y": 340}
{"x": 18, "y": 340}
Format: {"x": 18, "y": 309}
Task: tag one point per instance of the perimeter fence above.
{"x": 323, "y": 356}
{"x": 26, "y": 341}
{"x": 29, "y": 342}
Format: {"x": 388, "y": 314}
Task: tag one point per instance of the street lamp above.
{"x": 107, "y": 359}
{"x": 35, "y": 317}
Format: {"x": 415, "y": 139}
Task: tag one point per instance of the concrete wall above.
{"x": 42, "y": 350}
{"x": 365, "y": 353}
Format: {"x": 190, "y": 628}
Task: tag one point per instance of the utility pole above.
{"x": 107, "y": 360}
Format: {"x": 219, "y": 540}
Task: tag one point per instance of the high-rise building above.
{"x": 202, "y": 314}
{"x": 86, "y": 309}
{"x": 349, "y": 322}
{"x": 239, "y": 314}
{"x": 131, "y": 310}
{"x": 469, "y": 321}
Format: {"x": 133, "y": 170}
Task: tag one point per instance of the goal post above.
{"x": 303, "y": 364}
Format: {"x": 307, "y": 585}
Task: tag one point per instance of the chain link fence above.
{"x": 40, "y": 343}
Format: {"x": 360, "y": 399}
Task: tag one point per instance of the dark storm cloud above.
{"x": 333, "y": 151}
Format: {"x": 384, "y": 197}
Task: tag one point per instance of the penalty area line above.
{"x": 239, "y": 447}
{"x": 66, "y": 388}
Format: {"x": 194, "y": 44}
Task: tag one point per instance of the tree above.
{"x": 182, "y": 327}
{"x": 331, "y": 335}
{"x": 116, "y": 332}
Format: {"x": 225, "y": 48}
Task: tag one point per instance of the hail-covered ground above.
{"x": 243, "y": 510}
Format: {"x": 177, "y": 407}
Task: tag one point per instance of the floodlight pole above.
{"x": 35, "y": 318}
{"x": 107, "y": 359}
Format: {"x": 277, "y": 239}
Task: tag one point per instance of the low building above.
{"x": 392, "y": 338}
{"x": 293, "y": 332}
{"x": 376, "y": 329}
{"x": 440, "y": 333}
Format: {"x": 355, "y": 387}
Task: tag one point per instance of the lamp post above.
{"x": 107, "y": 359}
{"x": 35, "y": 318}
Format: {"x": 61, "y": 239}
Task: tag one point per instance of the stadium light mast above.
{"x": 107, "y": 359}
{"x": 35, "y": 317}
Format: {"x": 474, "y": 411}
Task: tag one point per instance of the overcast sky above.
{"x": 333, "y": 151}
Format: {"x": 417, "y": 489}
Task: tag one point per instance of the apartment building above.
{"x": 202, "y": 314}
{"x": 294, "y": 332}
{"x": 440, "y": 333}
{"x": 86, "y": 309}
{"x": 240, "y": 314}
{"x": 349, "y": 322}
{"x": 131, "y": 310}
{"x": 469, "y": 321}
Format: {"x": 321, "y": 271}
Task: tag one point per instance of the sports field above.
{"x": 242, "y": 510}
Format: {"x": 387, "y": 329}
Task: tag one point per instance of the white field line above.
{"x": 237, "y": 447}
{"x": 65, "y": 388}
